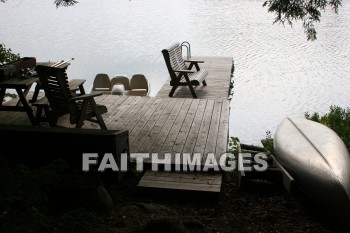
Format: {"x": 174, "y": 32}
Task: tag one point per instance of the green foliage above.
{"x": 307, "y": 11}
{"x": 6, "y": 55}
{"x": 338, "y": 119}
{"x": 268, "y": 135}
{"x": 268, "y": 142}
{"x": 11, "y": 95}
{"x": 233, "y": 146}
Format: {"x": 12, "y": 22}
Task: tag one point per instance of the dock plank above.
{"x": 123, "y": 110}
{"x": 142, "y": 119}
{"x": 195, "y": 127}
{"x": 223, "y": 133}
{"x": 175, "y": 129}
{"x": 152, "y": 136}
{"x": 182, "y": 181}
{"x": 164, "y": 132}
{"x": 132, "y": 112}
{"x": 204, "y": 129}
{"x": 186, "y": 126}
{"x": 210, "y": 145}
{"x": 145, "y": 129}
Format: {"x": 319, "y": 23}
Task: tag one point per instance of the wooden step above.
{"x": 190, "y": 181}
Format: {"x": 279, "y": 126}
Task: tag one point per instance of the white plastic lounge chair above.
{"x": 139, "y": 85}
{"x": 102, "y": 83}
{"x": 121, "y": 79}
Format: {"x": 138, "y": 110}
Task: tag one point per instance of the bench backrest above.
{"x": 55, "y": 83}
{"x": 173, "y": 59}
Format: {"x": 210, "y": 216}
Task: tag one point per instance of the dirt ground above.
{"x": 54, "y": 199}
{"x": 256, "y": 206}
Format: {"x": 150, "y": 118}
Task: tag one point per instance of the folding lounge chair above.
{"x": 62, "y": 101}
{"x": 180, "y": 73}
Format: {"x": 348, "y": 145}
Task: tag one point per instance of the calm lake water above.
{"x": 278, "y": 72}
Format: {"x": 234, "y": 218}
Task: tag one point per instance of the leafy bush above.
{"x": 233, "y": 146}
{"x": 6, "y": 55}
{"x": 338, "y": 119}
{"x": 268, "y": 142}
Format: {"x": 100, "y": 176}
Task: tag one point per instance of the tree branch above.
{"x": 307, "y": 11}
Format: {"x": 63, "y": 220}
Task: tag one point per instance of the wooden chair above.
{"x": 180, "y": 73}
{"x": 62, "y": 101}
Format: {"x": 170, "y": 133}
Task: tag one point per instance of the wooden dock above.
{"x": 168, "y": 125}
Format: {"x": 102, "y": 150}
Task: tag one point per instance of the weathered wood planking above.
{"x": 218, "y": 80}
{"x": 159, "y": 125}
{"x": 205, "y": 182}
{"x": 167, "y": 125}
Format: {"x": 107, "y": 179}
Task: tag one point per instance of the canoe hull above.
{"x": 318, "y": 161}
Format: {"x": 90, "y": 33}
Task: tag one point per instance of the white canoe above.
{"x": 318, "y": 160}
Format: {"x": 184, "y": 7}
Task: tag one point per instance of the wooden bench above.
{"x": 43, "y": 104}
{"x": 64, "y": 143}
{"x": 180, "y": 73}
{"x": 63, "y": 100}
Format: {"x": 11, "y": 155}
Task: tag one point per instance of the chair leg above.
{"x": 97, "y": 114}
{"x": 82, "y": 114}
{"x": 192, "y": 91}
{"x": 39, "y": 112}
{"x": 53, "y": 119}
{"x": 190, "y": 86}
{"x": 36, "y": 93}
{"x": 197, "y": 66}
{"x": 172, "y": 91}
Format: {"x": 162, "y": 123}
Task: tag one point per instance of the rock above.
{"x": 156, "y": 209}
{"x": 81, "y": 190}
{"x": 103, "y": 201}
{"x": 165, "y": 224}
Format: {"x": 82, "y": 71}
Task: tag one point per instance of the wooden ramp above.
{"x": 204, "y": 182}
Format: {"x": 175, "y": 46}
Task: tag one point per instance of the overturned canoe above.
{"x": 318, "y": 160}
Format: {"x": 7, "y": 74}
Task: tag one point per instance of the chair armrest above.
{"x": 75, "y": 83}
{"x": 184, "y": 71}
{"x": 195, "y": 61}
{"x": 85, "y": 96}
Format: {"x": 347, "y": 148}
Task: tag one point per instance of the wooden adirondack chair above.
{"x": 62, "y": 101}
{"x": 180, "y": 73}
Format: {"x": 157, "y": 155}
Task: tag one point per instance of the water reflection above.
{"x": 278, "y": 73}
